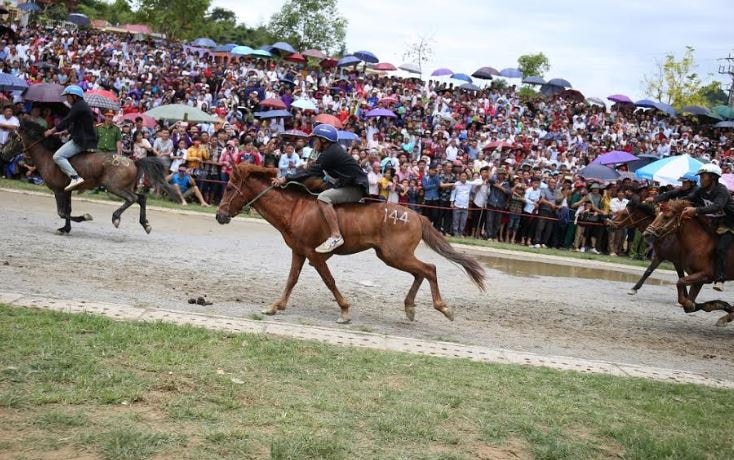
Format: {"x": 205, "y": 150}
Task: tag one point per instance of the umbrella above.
{"x": 696, "y": 110}
{"x": 366, "y": 56}
{"x": 261, "y": 53}
{"x": 668, "y": 170}
{"x": 282, "y": 46}
{"x": 533, "y": 80}
{"x": 485, "y": 73}
{"x": 410, "y": 67}
{"x": 101, "y": 102}
{"x": 559, "y": 82}
{"x": 572, "y": 95}
{"x": 204, "y": 42}
{"x": 177, "y": 112}
{"x": 29, "y": 7}
{"x": 596, "y": 101}
{"x": 304, "y": 104}
{"x": 104, "y": 93}
{"x": 389, "y": 100}
{"x": 462, "y": 77}
{"x": 728, "y": 180}
{"x": 273, "y": 114}
{"x": 470, "y": 87}
{"x": 79, "y": 19}
{"x": 724, "y": 124}
{"x": 241, "y": 50}
{"x": 347, "y": 61}
{"x": 441, "y": 72}
{"x": 599, "y": 172}
{"x": 314, "y": 53}
{"x": 614, "y": 157}
{"x": 666, "y": 108}
{"x": 510, "y": 73}
{"x": 724, "y": 111}
{"x": 293, "y": 133}
{"x": 347, "y": 136}
{"x": 327, "y": 119}
{"x": 225, "y": 48}
{"x": 380, "y": 113}
{"x": 296, "y": 57}
{"x": 44, "y": 92}
{"x": 10, "y": 82}
{"x": 328, "y": 62}
{"x": 273, "y": 103}
{"x": 497, "y": 145}
{"x": 620, "y": 99}
{"x": 550, "y": 90}
{"x": 642, "y": 160}
{"x": 646, "y": 104}
{"x": 384, "y": 66}
{"x": 148, "y": 121}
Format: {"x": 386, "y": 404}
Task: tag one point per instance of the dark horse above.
{"x": 119, "y": 175}
{"x": 697, "y": 240}
{"x": 639, "y": 216}
{"x": 391, "y": 230}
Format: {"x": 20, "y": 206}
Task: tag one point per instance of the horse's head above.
{"x": 667, "y": 221}
{"x": 32, "y": 134}
{"x": 12, "y": 147}
{"x": 634, "y": 215}
{"x": 242, "y": 188}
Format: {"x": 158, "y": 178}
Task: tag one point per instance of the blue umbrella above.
{"x": 533, "y": 80}
{"x": 599, "y": 172}
{"x": 724, "y": 124}
{"x": 204, "y": 42}
{"x": 510, "y": 73}
{"x": 282, "y": 46}
{"x": 696, "y": 110}
{"x": 10, "y": 82}
{"x": 225, "y": 48}
{"x": 347, "y": 136}
{"x": 596, "y": 101}
{"x": 260, "y": 53}
{"x": 241, "y": 50}
{"x": 462, "y": 77}
{"x": 79, "y": 19}
{"x": 470, "y": 87}
{"x": 347, "y": 61}
{"x": 560, "y": 82}
{"x": 668, "y": 170}
{"x": 366, "y": 56}
{"x": 550, "y": 90}
{"x": 273, "y": 114}
{"x": 642, "y": 161}
{"x": 666, "y": 108}
{"x": 646, "y": 104}
{"x": 29, "y": 7}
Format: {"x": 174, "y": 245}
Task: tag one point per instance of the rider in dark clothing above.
{"x": 688, "y": 187}
{"x": 714, "y": 198}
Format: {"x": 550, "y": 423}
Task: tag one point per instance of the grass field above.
{"x": 76, "y": 386}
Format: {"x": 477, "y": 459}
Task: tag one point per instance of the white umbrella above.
{"x": 304, "y": 104}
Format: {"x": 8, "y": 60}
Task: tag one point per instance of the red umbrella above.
{"x": 273, "y": 103}
{"x": 327, "y": 119}
{"x": 104, "y": 93}
{"x": 296, "y": 57}
{"x": 384, "y": 66}
{"x": 329, "y": 62}
{"x": 44, "y": 92}
{"x": 314, "y": 53}
{"x": 148, "y": 121}
{"x": 498, "y": 144}
{"x": 389, "y": 100}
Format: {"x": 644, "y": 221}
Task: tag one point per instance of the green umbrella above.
{"x": 724, "y": 111}
{"x": 180, "y": 112}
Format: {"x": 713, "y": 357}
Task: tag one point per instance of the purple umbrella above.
{"x": 560, "y": 82}
{"x": 620, "y": 99}
{"x": 646, "y": 103}
{"x": 510, "y": 73}
{"x": 442, "y": 72}
{"x": 380, "y": 113}
{"x": 533, "y": 80}
{"x": 485, "y": 73}
{"x": 614, "y": 157}
{"x": 366, "y": 56}
{"x": 599, "y": 172}
{"x": 44, "y": 92}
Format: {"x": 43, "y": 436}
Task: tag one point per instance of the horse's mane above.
{"x": 310, "y": 187}
{"x": 677, "y": 206}
{"x": 249, "y": 169}
{"x": 644, "y": 208}
{"x": 36, "y": 132}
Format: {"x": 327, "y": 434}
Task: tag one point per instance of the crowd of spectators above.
{"x": 484, "y": 164}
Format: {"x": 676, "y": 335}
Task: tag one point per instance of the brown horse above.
{"x": 391, "y": 230}
{"x": 639, "y": 216}
{"x": 697, "y": 241}
{"x": 119, "y": 175}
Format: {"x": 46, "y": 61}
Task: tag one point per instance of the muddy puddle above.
{"x": 535, "y": 269}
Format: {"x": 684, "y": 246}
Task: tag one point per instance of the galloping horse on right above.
{"x": 697, "y": 240}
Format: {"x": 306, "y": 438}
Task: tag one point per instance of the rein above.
{"x": 260, "y": 195}
{"x": 673, "y": 227}
{"x": 633, "y": 223}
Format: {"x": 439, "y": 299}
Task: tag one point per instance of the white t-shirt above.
{"x": 12, "y": 121}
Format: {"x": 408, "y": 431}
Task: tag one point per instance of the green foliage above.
{"x": 116, "y": 13}
{"x": 526, "y": 93}
{"x": 56, "y": 12}
{"x": 713, "y": 94}
{"x": 310, "y": 24}
{"x": 178, "y": 19}
{"x": 533, "y": 64}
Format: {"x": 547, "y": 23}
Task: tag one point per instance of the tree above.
{"x": 178, "y": 19}
{"x": 714, "y": 95}
{"x": 223, "y": 15}
{"x": 310, "y": 24}
{"x": 676, "y": 82}
{"x": 533, "y": 64}
{"x": 419, "y": 52}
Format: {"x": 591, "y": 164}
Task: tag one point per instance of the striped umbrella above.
{"x": 45, "y": 92}
{"x": 104, "y": 93}
{"x": 668, "y": 170}
{"x": 10, "y": 82}
{"x": 101, "y": 102}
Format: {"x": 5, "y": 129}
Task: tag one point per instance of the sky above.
{"x": 602, "y": 47}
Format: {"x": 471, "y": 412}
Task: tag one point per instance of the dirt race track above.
{"x": 241, "y": 267}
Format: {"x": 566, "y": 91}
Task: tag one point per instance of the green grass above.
{"x": 137, "y": 390}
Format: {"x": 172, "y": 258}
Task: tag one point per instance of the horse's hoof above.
{"x": 410, "y": 312}
{"x": 88, "y": 218}
{"x": 632, "y": 292}
{"x": 448, "y": 312}
{"x": 723, "y": 321}
{"x": 62, "y": 232}
{"x": 268, "y": 312}
{"x": 148, "y": 229}
{"x": 343, "y": 321}
{"x": 116, "y": 223}
{"x": 689, "y": 307}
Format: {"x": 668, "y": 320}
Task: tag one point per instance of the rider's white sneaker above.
{"x": 74, "y": 183}
{"x": 330, "y": 244}
{"x": 719, "y": 286}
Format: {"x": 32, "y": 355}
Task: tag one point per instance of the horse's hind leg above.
{"x": 323, "y": 270}
{"x": 130, "y": 199}
{"x": 297, "y": 261}
{"x": 142, "y": 201}
{"x": 63, "y": 209}
{"x": 713, "y": 305}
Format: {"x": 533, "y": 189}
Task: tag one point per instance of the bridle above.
{"x": 633, "y": 222}
{"x": 242, "y": 194}
{"x": 670, "y": 228}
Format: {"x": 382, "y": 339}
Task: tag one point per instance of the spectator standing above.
{"x": 431, "y": 191}
{"x": 497, "y": 203}
{"x": 109, "y": 136}
{"x": 459, "y": 199}
{"x": 546, "y": 214}
{"x": 617, "y": 205}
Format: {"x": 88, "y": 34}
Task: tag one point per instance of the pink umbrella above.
{"x": 389, "y": 100}
{"x": 314, "y": 53}
{"x": 148, "y": 121}
{"x": 384, "y": 66}
{"x": 327, "y": 119}
{"x": 273, "y": 103}
{"x": 104, "y": 93}
{"x": 296, "y": 57}
{"x": 728, "y": 180}
{"x": 44, "y": 92}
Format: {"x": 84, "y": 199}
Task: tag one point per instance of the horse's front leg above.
{"x": 689, "y": 306}
{"x": 142, "y": 202}
{"x": 319, "y": 263}
{"x": 63, "y": 209}
{"x": 297, "y": 261}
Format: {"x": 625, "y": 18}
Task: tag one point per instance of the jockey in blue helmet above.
{"x": 80, "y": 125}
{"x": 350, "y": 180}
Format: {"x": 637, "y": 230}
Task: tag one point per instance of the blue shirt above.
{"x": 182, "y": 181}
{"x": 430, "y": 187}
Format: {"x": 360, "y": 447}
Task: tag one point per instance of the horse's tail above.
{"x": 154, "y": 169}
{"x": 438, "y": 243}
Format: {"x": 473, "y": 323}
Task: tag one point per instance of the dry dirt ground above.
{"x": 241, "y": 267}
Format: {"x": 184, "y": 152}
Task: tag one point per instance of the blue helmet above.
{"x": 326, "y": 132}
{"x": 690, "y": 177}
{"x": 73, "y": 89}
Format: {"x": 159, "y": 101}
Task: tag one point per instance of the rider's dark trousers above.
{"x": 722, "y": 251}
